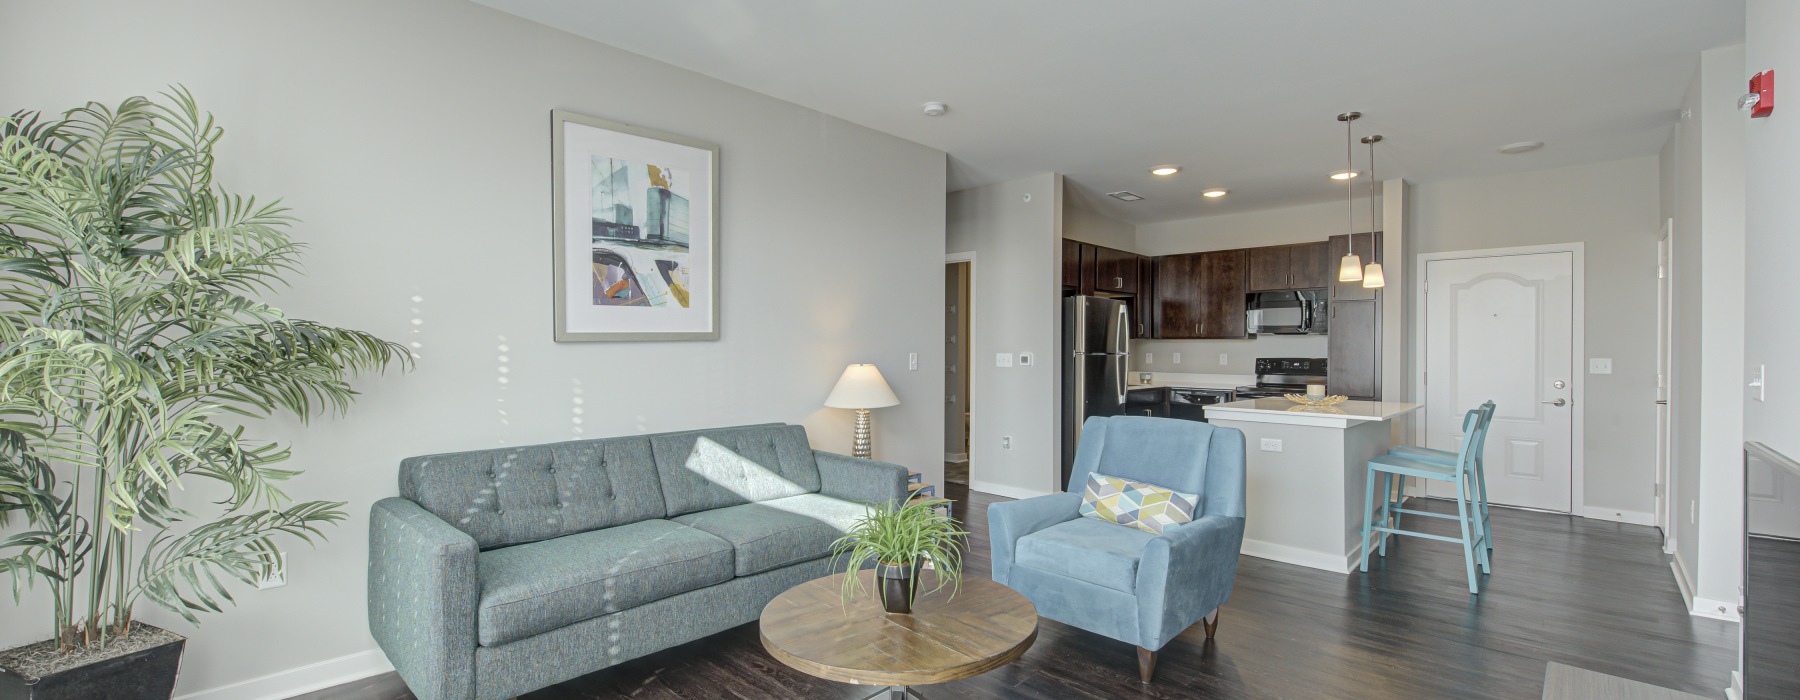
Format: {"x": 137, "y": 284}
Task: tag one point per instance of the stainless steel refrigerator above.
{"x": 1096, "y": 342}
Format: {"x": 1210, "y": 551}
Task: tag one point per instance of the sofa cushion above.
{"x": 1088, "y": 550}
{"x": 533, "y": 588}
{"x": 773, "y": 534}
{"x": 525, "y": 494}
{"x": 778, "y": 463}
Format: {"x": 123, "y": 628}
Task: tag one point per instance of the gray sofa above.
{"x": 501, "y": 571}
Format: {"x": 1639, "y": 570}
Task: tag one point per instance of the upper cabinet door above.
{"x": 1071, "y": 263}
{"x": 1089, "y": 262}
{"x": 1116, "y": 271}
{"x": 1352, "y": 291}
{"x": 1309, "y": 265}
{"x": 1270, "y": 269}
{"x": 1222, "y": 280}
{"x": 1178, "y": 296}
{"x": 1144, "y": 303}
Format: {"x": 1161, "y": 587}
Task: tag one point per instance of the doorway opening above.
{"x": 1665, "y": 378}
{"x": 959, "y": 277}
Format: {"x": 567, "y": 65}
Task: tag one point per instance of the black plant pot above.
{"x": 144, "y": 674}
{"x": 896, "y": 586}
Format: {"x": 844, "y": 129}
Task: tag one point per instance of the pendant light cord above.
{"x": 1372, "y": 140}
{"x": 1350, "y": 186}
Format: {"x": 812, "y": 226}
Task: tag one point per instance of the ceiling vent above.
{"x": 1124, "y": 196}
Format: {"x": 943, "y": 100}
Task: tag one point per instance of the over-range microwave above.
{"x": 1287, "y": 313}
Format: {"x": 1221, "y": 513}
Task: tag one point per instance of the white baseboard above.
{"x": 1715, "y": 609}
{"x": 1736, "y": 690}
{"x": 1336, "y": 563}
{"x": 1004, "y": 490}
{"x": 1619, "y": 516}
{"x": 1682, "y": 582}
{"x": 305, "y": 679}
{"x": 957, "y": 457}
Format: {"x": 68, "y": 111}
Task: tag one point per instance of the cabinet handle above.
{"x": 1119, "y": 282}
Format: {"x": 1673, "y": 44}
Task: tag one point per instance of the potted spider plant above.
{"x": 899, "y": 538}
{"x": 135, "y": 354}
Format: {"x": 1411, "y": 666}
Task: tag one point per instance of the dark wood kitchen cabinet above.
{"x": 1143, "y": 304}
{"x": 1071, "y": 264}
{"x": 1115, "y": 271}
{"x": 1282, "y": 267}
{"x": 1090, "y": 254}
{"x": 1354, "y": 345}
{"x": 1222, "y": 288}
{"x": 1178, "y": 296}
{"x": 1201, "y": 295}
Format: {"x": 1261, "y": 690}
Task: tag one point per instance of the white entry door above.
{"x": 1501, "y": 328}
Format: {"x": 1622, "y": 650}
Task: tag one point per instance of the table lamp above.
{"x": 861, "y": 388}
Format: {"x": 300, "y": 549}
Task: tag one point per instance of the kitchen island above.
{"x": 1307, "y": 470}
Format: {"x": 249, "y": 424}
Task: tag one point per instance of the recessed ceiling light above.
{"x": 1215, "y": 192}
{"x": 1344, "y": 174}
{"x": 1124, "y": 196}
{"x": 1521, "y": 147}
{"x": 1165, "y": 170}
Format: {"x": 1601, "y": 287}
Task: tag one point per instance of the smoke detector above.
{"x": 1124, "y": 196}
{"x": 936, "y": 109}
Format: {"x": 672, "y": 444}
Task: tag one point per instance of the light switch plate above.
{"x": 1003, "y": 359}
{"x": 1599, "y": 365}
{"x": 912, "y": 361}
{"x": 1759, "y": 386}
{"x": 1025, "y": 359}
{"x": 1271, "y": 445}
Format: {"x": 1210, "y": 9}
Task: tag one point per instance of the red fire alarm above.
{"x": 1762, "y": 87}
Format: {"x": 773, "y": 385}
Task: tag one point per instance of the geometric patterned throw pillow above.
{"x": 1144, "y": 506}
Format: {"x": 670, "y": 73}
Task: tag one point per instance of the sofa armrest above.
{"x": 860, "y": 480}
{"x": 1010, "y": 520}
{"x": 1184, "y": 574}
{"x": 423, "y": 593}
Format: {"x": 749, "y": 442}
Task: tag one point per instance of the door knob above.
{"x": 1558, "y": 402}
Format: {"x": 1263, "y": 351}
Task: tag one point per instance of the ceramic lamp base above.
{"x": 863, "y": 442}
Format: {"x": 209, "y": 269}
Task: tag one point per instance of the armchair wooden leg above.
{"x": 1211, "y": 624}
{"x": 1146, "y": 665}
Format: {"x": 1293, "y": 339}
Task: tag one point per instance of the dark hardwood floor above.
{"x": 1586, "y": 593}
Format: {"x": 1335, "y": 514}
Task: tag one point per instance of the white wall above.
{"x": 1307, "y": 223}
{"x": 1706, "y": 152}
{"x": 1088, "y": 227}
{"x": 1018, "y": 308}
{"x": 1771, "y": 217}
{"x": 1612, "y": 208}
{"x": 412, "y": 136}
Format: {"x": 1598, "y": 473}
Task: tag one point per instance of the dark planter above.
{"x": 896, "y": 586}
{"x": 144, "y": 674}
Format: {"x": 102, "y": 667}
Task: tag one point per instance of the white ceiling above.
{"x": 1243, "y": 95}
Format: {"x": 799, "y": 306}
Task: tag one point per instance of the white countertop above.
{"x": 1281, "y": 410}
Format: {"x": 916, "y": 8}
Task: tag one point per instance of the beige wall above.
{"x": 1772, "y": 245}
{"x": 1612, "y": 208}
{"x": 1018, "y": 278}
{"x": 1088, "y": 227}
{"x": 412, "y": 136}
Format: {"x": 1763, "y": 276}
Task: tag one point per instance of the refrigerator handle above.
{"x": 1125, "y": 345}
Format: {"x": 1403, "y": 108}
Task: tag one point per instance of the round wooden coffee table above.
{"x": 812, "y": 629}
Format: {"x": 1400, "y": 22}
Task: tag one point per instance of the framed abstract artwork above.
{"x": 636, "y": 220}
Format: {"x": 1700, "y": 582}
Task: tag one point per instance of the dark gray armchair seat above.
{"x": 498, "y": 572}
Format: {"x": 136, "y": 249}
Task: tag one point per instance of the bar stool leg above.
{"x": 1387, "y": 511}
{"x": 1462, "y": 512}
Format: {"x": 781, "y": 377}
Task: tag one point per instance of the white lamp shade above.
{"x": 1350, "y": 268}
{"x": 1372, "y": 277}
{"x": 861, "y": 387}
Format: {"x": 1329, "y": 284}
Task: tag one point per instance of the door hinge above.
{"x": 1427, "y": 287}
{"x": 1658, "y": 490}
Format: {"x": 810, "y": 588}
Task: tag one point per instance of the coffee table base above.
{"x": 895, "y": 692}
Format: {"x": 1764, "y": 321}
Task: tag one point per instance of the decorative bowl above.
{"x": 1305, "y": 400}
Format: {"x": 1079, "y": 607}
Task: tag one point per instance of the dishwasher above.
{"x": 1190, "y": 404}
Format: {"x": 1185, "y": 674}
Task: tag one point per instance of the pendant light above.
{"x": 1372, "y": 278}
{"x": 1350, "y": 268}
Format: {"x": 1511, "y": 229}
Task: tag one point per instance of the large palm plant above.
{"x": 132, "y": 348}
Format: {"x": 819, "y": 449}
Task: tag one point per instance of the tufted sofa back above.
{"x": 524, "y": 494}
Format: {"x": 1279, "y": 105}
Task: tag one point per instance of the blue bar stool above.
{"x": 1448, "y": 457}
{"x": 1474, "y": 531}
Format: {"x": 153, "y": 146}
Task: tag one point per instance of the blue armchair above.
{"x": 1116, "y": 580}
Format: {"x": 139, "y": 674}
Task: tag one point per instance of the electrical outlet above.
{"x": 1149, "y": 358}
{"x": 1025, "y": 359}
{"x": 1759, "y": 385}
{"x": 1599, "y": 365}
{"x": 1003, "y": 359}
{"x": 1006, "y": 442}
{"x": 1271, "y": 445}
{"x": 912, "y": 361}
{"x": 1176, "y": 357}
{"x": 1224, "y": 358}
{"x": 276, "y": 578}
